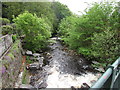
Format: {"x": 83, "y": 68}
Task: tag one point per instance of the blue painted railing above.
{"x": 110, "y": 79}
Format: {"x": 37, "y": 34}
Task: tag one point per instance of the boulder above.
{"x": 85, "y": 85}
{"x": 95, "y": 62}
{"x": 73, "y": 88}
{"x": 26, "y": 86}
{"x": 100, "y": 69}
{"x": 41, "y": 61}
{"x": 33, "y": 66}
{"x": 54, "y": 38}
{"x": 29, "y": 52}
{"x": 36, "y": 55}
{"x": 58, "y": 38}
{"x": 41, "y": 85}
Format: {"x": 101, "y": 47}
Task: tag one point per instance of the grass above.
{"x": 15, "y": 45}
{"x": 11, "y": 56}
{"x": 25, "y": 78}
{"x": 28, "y": 61}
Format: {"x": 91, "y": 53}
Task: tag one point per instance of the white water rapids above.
{"x": 60, "y": 80}
{"x": 61, "y": 64}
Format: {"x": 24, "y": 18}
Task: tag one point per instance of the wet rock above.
{"x": 29, "y": 52}
{"x": 100, "y": 69}
{"x": 85, "y": 85}
{"x": 43, "y": 85}
{"x": 37, "y": 85}
{"x": 73, "y": 88}
{"x": 77, "y": 73}
{"x": 40, "y": 59}
{"x": 95, "y": 62}
{"x": 32, "y": 58}
{"x": 36, "y": 55}
{"x": 54, "y": 38}
{"x": 85, "y": 67}
{"x": 28, "y": 86}
{"x": 58, "y": 38}
{"x": 33, "y": 66}
{"x": 48, "y": 55}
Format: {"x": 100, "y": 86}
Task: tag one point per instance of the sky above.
{"x": 78, "y": 6}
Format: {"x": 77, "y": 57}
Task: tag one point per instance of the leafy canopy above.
{"x": 35, "y": 29}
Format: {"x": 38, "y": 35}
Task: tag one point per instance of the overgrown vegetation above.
{"x": 4, "y": 21}
{"x": 95, "y": 34}
{"x": 51, "y": 12}
{"x": 37, "y": 24}
{"x": 28, "y": 61}
{"x": 35, "y": 29}
{"x": 25, "y": 77}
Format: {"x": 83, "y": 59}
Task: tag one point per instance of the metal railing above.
{"x": 110, "y": 79}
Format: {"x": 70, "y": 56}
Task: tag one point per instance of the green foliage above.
{"x": 15, "y": 47}
{"x": 74, "y": 31}
{"x": 61, "y": 11}
{"x": 7, "y": 29}
{"x": 105, "y": 46}
{"x": 11, "y": 56}
{"x": 66, "y": 25}
{"x": 24, "y": 79}
{"x": 41, "y": 9}
{"x": 14, "y": 38}
{"x": 4, "y": 21}
{"x": 52, "y": 12}
{"x": 28, "y": 61}
{"x": 36, "y": 30}
{"x": 94, "y": 34}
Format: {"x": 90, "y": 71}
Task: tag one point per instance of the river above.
{"x": 65, "y": 69}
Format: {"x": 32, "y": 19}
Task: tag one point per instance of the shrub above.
{"x": 95, "y": 34}
{"x": 14, "y": 37}
{"x": 4, "y": 21}
{"x": 35, "y": 29}
{"x": 105, "y": 46}
{"x": 7, "y": 29}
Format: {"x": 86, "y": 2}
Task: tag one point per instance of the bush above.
{"x": 14, "y": 37}
{"x": 35, "y": 29}
{"x": 66, "y": 25}
{"x": 95, "y": 34}
{"x": 105, "y": 46}
{"x": 75, "y": 33}
{"x": 7, "y": 29}
{"x": 4, "y": 21}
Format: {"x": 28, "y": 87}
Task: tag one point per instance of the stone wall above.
{"x": 5, "y": 43}
{"x": 11, "y": 64}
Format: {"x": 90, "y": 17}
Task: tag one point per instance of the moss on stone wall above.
{"x": 11, "y": 63}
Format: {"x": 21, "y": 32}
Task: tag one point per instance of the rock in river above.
{"x": 33, "y": 66}
{"x": 29, "y": 52}
{"x": 28, "y": 86}
{"x": 36, "y": 55}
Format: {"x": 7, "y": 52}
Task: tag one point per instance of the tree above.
{"x": 41, "y": 9}
{"x": 95, "y": 34}
{"x": 61, "y": 11}
{"x": 35, "y": 29}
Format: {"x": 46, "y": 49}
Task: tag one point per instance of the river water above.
{"x": 65, "y": 69}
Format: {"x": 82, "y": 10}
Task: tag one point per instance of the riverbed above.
{"x": 65, "y": 69}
